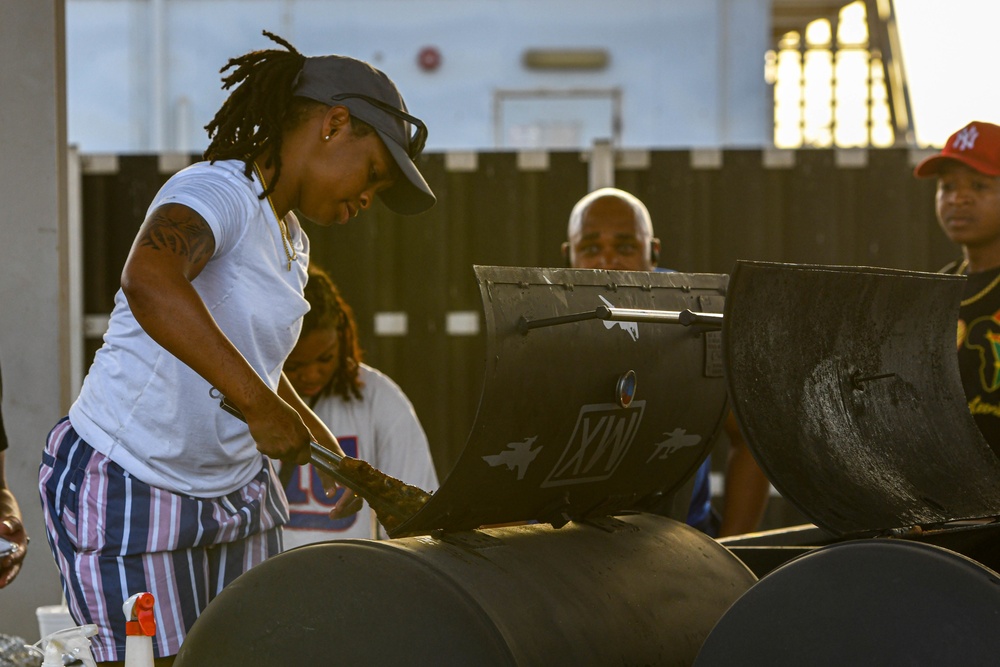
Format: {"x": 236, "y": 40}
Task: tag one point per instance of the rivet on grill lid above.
{"x": 626, "y": 388}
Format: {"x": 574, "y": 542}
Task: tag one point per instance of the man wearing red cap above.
{"x": 968, "y": 208}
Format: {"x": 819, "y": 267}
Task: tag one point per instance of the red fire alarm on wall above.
{"x": 429, "y": 58}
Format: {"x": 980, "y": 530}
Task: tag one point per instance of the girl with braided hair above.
{"x": 371, "y": 416}
{"x": 147, "y": 485}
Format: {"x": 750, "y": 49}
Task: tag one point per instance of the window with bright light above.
{"x": 829, "y": 89}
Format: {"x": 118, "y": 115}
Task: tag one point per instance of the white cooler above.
{"x": 52, "y": 618}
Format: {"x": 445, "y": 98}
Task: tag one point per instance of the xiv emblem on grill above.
{"x": 600, "y": 441}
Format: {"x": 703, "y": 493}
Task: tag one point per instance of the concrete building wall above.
{"x": 143, "y": 74}
{"x": 33, "y": 325}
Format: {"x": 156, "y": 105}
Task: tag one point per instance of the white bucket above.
{"x": 53, "y": 618}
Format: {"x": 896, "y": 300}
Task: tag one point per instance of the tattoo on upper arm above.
{"x": 179, "y": 230}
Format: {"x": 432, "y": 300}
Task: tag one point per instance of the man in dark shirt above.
{"x": 968, "y": 209}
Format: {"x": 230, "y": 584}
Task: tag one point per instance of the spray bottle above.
{"x": 139, "y": 630}
{"x": 66, "y": 647}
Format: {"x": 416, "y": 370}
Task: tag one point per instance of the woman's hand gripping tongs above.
{"x": 393, "y": 501}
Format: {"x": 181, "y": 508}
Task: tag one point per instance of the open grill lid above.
{"x": 551, "y": 441}
{"x": 846, "y": 383}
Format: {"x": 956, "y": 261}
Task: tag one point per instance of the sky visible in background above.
{"x": 951, "y": 52}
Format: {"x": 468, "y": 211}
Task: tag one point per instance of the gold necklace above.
{"x": 286, "y": 241}
{"x": 983, "y": 292}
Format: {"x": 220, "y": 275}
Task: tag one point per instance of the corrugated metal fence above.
{"x": 410, "y": 280}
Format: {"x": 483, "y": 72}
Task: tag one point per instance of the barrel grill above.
{"x": 558, "y": 537}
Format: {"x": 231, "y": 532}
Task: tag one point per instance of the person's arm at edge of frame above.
{"x": 171, "y": 249}
{"x": 746, "y": 488}
{"x": 322, "y": 434}
{"x": 11, "y": 528}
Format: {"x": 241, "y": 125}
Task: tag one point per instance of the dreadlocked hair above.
{"x": 250, "y": 122}
{"x": 328, "y": 310}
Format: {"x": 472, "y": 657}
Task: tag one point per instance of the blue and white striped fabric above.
{"x": 113, "y": 536}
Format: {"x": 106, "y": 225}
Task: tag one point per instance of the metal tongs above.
{"x": 329, "y": 462}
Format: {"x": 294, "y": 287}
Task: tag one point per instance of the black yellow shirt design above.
{"x": 979, "y": 351}
{"x": 983, "y": 335}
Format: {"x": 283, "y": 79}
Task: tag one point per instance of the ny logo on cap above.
{"x": 966, "y": 138}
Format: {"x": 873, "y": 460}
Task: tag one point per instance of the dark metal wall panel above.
{"x": 811, "y": 220}
{"x": 740, "y": 226}
{"x": 898, "y": 227}
{"x": 677, "y": 199}
{"x": 547, "y": 196}
{"x": 709, "y": 210}
{"x": 498, "y": 225}
{"x": 877, "y": 205}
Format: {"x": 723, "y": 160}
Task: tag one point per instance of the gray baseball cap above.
{"x": 372, "y": 97}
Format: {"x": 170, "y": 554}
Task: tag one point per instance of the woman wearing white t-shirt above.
{"x": 147, "y": 485}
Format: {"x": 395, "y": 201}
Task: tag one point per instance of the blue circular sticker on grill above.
{"x": 626, "y": 388}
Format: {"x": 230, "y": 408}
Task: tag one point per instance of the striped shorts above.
{"x": 113, "y": 536}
